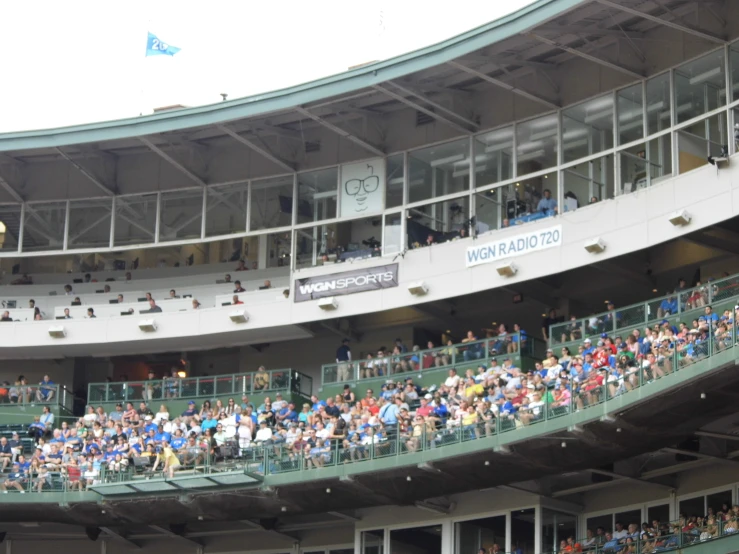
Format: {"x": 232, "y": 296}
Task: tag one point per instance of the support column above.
{"x": 263, "y": 252}
{"x": 537, "y": 529}
{"x": 447, "y": 537}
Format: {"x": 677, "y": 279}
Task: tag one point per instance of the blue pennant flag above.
{"x": 157, "y": 47}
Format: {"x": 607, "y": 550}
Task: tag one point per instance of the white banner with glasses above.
{"x": 517, "y": 245}
{"x": 362, "y": 187}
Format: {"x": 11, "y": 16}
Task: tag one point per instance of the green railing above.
{"x": 29, "y": 396}
{"x": 470, "y": 353}
{"x": 205, "y": 387}
{"x": 683, "y": 305}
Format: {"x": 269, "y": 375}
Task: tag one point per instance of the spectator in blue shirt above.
{"x": 546, "y": 203}
{"x": 46, "y": 389}
{"x": 191, "y": 410}
{"x": 667, "y": 307}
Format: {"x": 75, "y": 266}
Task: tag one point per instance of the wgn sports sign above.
{"x": 348, "y": 282}
{"x": 517, "y": 245}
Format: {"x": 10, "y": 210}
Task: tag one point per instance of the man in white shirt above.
{"x": 620, "y": 532}
{"x": 453, "y": 380}
{"x": 264, "y": 435}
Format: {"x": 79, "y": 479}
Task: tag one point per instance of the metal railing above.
{"x": 483, "y": 351}
{"x": 23, "y": 396}
{"x": 689, "y": 303}
{"x": 202, "y": 387}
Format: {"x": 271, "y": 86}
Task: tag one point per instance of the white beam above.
{"x": 258, "y": 149}
{"x": 339, "y": 131}
{"x": 93, "y": 178}
{"x": 436, "y": 106}
{"x": 585, "y": 488}
{"x": 600, "y": 61}
{"x": 153, "y": 147}
{"x": 504, "y": 85}
{"x": 685, "y": 29}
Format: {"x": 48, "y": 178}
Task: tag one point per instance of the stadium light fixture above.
{"x": 507, "y": 270}
{"x": 57, "y": 331}
{"x": 328, "y": 304}
{"x": 680, "y": 218}
{"x": 418, "y": 288}
{"x": 595, "y": 246}
{"x": 147, "y": 325}
{"x": 238, "y": 316}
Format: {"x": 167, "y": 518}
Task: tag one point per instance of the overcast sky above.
{"x": 79, "y": 61}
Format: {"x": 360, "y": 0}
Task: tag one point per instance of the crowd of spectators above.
{"x": 656, "y": 536}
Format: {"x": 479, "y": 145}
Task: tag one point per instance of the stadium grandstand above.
{"x": 481, "y": 298}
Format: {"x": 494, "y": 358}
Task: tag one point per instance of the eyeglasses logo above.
{"x": 361, "y": 189}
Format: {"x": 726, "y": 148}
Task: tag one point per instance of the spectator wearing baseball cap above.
{"x": 191, "y": 410}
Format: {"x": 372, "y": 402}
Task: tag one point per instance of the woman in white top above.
{"x": 162, "y": 414}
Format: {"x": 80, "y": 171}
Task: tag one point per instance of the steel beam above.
{"x": 10, "y": 190}
{"x": 637, "y": 479}
{"x": 594, "y": 59}
{"x": 119, "y": 537}
{"x": 585, "y": 488}
{"x": 684, "y": 28}
{"x": 466, "y": 121}
{"x": 341, "y": 132}
{"x": 187, "y": 172}
{"x": 87, "y": 173}
{"x": 258, "y": 149}
{"x": 503, "y": 85}
{"x": 171, "y": 534}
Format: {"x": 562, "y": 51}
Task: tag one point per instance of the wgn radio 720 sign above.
{"x": 348, "y": 282}
{"x": 517, "y": 245}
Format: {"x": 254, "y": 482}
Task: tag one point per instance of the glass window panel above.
{"x": 604, "y": 522}
{"x": 472, "y": 535}
{"x": 700, "y": 86}
{"x": 135, "y": 219}
{"x": 717, "y": 501}
{"x": 494, "y": 157}
{"x": 338, "y": 242}
{"x": 516, "y": 204}
{"x": 556, "y": 527}
{"x": 315, "y": 245}
{"x": 10, "y": 218}
{"x": 439, "y": 170}
{"x": 587, "y": 183}
{"x": 418, "y": 539}
{"x": 373, "y": 542}
{"x": 317, "y": 194}
{"x": 271, "y": 203}
{"x": 89, "y": 223}
{"x": 444, "y": 221}
{"x": 225, "y": 211}
{"x": 630, "y": 114}
{"x": 693, "y": 506}
{"x": 646, "y": 164}
{"x": 734, "y": 60}
{"x": 394, "y": 190}
{"x": 659, "y": 513}
{"x": 278, "y": 249}
{"x": 587, "y": 128}
{"x": 181, "y": 215}
{"x": 392, "y": 241}
{"x": 536, "y": 147}
{"x": 43, "y": 227}
{"x": 523, "y": 529}
{"x": 659, "y": 101}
